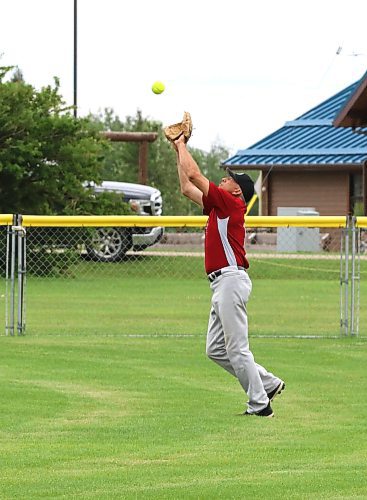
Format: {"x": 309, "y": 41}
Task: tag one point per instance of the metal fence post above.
{"x": 15, "y": 276}
{"x": 9, "y": 281}
{"x": 355, "y": 279}
{"x": 353, "y": 252}
{"x": 12, "y": 275}
{"x": 21, "y": 242}
{"x": 359, "y": 250}
{"x": 344, "y": 279}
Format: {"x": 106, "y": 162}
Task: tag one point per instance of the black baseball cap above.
{"x": 245, "y": 182}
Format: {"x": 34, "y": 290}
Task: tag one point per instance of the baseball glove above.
{"x": 173, "y": 132}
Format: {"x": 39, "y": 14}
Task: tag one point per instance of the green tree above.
{"x": 46, "y": 154}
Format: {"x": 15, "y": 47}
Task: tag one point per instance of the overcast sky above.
{"x": 242, "y": 68}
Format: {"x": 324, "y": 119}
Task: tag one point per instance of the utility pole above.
{"x": 75, "y": 55}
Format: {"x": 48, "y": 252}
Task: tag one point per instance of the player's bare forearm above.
{"x": 190, "y": 167}
{"x": 187, "y": 188}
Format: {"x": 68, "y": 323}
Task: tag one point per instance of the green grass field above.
{"x": 110, "y": 394}
{"x": 171, "y": 295}
{"x": 171, "y": 306}
{"x": 102, "y": 417}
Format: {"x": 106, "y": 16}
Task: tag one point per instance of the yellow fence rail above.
{"x": 6, "y": 219}
{"x": 361, "y": 222}
{"x": 177, "y": 221}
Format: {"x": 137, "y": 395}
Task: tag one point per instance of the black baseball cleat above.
{"x": 265, "y": 412}
{"x": 276, "y": 391}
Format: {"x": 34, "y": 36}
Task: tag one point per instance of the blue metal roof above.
{"x": 310, "y": 139}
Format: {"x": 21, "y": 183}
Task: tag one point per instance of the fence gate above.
{"x": 350, "y": 278}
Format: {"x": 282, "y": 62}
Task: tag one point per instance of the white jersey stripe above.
{"x": 223, "y": 233}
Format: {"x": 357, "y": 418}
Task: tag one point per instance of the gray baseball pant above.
{"x": 227, "y": 337}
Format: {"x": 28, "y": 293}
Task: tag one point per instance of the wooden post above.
{"x": 130, "y": 136}
{"x": 143, "y": 162}
{"x": 143, "y": 138}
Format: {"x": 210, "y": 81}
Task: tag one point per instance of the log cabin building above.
{"x": 315, "y": 161}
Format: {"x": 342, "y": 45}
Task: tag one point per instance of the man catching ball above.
{"x": 226, "y": 265}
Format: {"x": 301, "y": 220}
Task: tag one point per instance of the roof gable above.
{"x": 310, "y": 139}
{"x": 353, "y": 112}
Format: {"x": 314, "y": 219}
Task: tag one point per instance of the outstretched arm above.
{"x": 190, "y": 168}
{"x": 187, "y": 188}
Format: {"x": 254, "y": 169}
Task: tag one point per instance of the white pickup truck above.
{"x": 110, "y": 244}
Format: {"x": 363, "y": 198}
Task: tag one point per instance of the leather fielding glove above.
{"x": 173, "y": 132}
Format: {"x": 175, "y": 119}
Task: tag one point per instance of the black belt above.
{"x": 212, "y": 276}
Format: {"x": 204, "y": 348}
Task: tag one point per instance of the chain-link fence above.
{"x": 363, "y": 242}
{"x": 3, "y": 253}
{"x": 359, "y": 274}
{"x": 101, "y": 279}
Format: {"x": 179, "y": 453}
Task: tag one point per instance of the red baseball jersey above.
{"x": 225, "y": 230}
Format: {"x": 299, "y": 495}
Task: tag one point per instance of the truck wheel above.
{"x": 109, "y": 244}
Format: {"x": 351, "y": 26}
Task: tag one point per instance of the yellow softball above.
{"x": 158, "y": 87}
